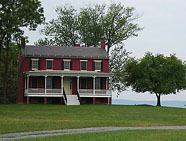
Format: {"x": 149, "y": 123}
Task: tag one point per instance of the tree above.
{"x": 14, "y": 15}
{"x": 90, "y": 25}
{"x": 118, "y": 24}
{"x": 119, "y": 57}
{"x": 156, "y": 74}
{"x": 63, "y": 30}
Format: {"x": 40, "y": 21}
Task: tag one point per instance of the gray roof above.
{"x": 64, "y": 52}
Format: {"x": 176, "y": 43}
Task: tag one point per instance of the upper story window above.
{"x": 84, "y": 65}
{"x": 49, "y": 64}
{"x": 66, "y": 64}
{"x": 98, "y": 65}
{"x": 34, "y": 64}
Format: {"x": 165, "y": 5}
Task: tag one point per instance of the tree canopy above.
{"x": 14, "y": 15}
{"x": 157, "y": 74}
{"x": 118, "y": 59}
{"x": 90, "y": 25}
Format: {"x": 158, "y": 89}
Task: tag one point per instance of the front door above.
{"x": 67, "y": 85}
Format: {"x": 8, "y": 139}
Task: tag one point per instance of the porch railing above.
{"x": 82, "y": 92}
{"x": 40, "y": 91}
{"x": 98, "y": 92}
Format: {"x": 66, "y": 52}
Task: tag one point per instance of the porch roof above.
{"x": 67, "y": 73}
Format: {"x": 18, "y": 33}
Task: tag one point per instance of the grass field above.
{"x": 19, "y": 118}
{"x": 129, "y": 135}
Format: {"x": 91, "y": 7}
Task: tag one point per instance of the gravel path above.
{"x": 38, "y": 134}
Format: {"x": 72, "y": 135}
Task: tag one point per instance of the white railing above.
{"x": 41, "y": 91}
{"x": 90, "y": 92}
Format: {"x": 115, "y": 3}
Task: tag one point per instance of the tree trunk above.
{"x": 6, "y": 71}
{"x": 158, "y": 100}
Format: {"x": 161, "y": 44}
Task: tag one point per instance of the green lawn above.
{"x": 128, "y": 135}
{"x": 19, "y": 118}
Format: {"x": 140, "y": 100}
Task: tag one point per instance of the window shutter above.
{"x": 39, "y": 64}
{"x": 30, "y": 64}
{"x": 53, "y": 82}
{"x": 93, "y": 66}
{"x": 101, "y": 66}
{"x": 62, "y": 65}
{"x": 70, "y": 65}
{"x": 101, "y": 81}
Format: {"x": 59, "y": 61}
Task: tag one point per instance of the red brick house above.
{"x": 66, "y": 75}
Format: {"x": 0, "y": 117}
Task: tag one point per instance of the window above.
{"x": 84, "y": 65}
{"x": 98, "y": 83}
{"x": 83, "y": 83}
{"x": 67, "y": 65}
{"x": 34, "y": 82}
{"x": 49, "y": 64}
{"x": 97, "y": 66}
{"x": 49, "y": 83}
{"x": 34, "y": 64}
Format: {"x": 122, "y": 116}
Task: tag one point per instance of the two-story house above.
{"x": 66, "y": 75}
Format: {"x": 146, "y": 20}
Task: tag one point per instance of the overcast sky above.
{"x": 164, "y": 23}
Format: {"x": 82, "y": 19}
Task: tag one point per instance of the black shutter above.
{"x": 30, "y": 65}
{"x": 101, "y": 81}
{"x": 62, "y": 65}
{"x": 101, "y": 66}
{"x": 53, "y": 82}
{"x": 93, "y": 66}
{"x": 39, "y": 64}
{"x": 70, "y": 65}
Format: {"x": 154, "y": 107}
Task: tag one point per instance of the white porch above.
{"x": 60, "y": 92}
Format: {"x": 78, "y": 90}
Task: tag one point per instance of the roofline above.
{"x": 58, "y": 56}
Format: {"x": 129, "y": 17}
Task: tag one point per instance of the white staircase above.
{"x": 72, "y": 100}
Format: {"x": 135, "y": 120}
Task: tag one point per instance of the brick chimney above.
{"x": 77, "y": 45}
{"x": 103, "y": 44}
{"x": 23, "y": 42}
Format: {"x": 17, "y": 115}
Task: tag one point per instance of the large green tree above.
{"x": 157, "y": 74}
{"x": 63, "y": 30}
{"x": 14, "y": 15}
{"x": 90, "y": 25}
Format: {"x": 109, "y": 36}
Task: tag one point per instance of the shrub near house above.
{"x": 67, "y": 75}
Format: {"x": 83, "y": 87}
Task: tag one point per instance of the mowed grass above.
{"x": 20, "y": 118}
{"x": 126, "y": 135}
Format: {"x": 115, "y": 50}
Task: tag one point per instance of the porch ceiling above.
{"x": 67, "y": 73}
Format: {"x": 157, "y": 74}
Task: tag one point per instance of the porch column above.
{"x": 62, "y": 85}
{"x": 45, "y": 83}
{"x": 94, "y": 84}
{"x": 27, "y": 100}
{"x": 27, "y": 81}
{"x": 78, "y": 84}
{"x": 45, "y": 100}
{"x": 106, "y": 83}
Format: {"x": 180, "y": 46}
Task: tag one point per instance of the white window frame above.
{"x": 86, "y": 64}
{"x": 66, "y": 60}
{"x": 52, "y": 63}
{"x": 97, "y": 61}
{"x": 34, "y": 68}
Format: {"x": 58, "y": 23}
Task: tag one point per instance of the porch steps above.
{"x": 72, "y": 100}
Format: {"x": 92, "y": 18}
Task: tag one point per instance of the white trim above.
{"x": 34, "y": 59}
{"x": 49, "y": 59}
{"x": 98, "y": 61}
{"x": 66, "y": 59}
{"x": 83, "y": 60}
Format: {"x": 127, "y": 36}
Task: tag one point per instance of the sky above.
{"x": 164, "y": 23}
